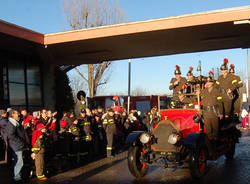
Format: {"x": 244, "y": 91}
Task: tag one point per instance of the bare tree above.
{"x": 82, "y": 14}
{"x": 139, "y": 91}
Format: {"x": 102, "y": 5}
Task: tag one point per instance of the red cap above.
{"x": 40, "y": 126}
{"x": 63, "y": 123}
{"x": 28, "y": 119}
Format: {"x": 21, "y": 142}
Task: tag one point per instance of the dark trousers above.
{"x": 211, "y": 122}
{"x": 110, "y": 140}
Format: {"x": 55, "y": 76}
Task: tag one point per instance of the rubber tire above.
{"x": 134, "y": 164}
{"x": 198, "y": 161}
{"x": 230, "y": 154}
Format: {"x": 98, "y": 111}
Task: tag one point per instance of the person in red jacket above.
{"x": 38, "y": 151}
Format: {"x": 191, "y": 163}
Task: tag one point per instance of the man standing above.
{"x": 3, "y": 123}
{"x": 212, "y": 108}
{"x": 110, "y": 128}
{"x": 191, "y": 81}
{"x": 237, "y": 82}
{"x": 225, "y": 83}
{"x": 177, "y": 83}
{"x": 16, "y": 144}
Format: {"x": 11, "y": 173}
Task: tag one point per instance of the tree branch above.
{"x": 81, "y": 74}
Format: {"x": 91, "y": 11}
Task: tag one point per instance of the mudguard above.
{"x": 133, "y": 138}
{"x": 193, "y": 139}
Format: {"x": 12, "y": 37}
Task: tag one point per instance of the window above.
{"x": 5, "y": 84}
{"x": 33, "y": 85}
{"x": 16, "y": 84}
{"x": 24, "y": 85}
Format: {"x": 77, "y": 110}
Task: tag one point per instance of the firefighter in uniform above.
{"x": 238, "y": 84}
{"x": 110, "y": 128}
{"x": 212, "y": 108}
{"x": 38, "y": 151}
{"x": 177, "y": 83}
{"x": 183, "y": 101}
{"x": 74, "y": 132}
{"x": 191, "y": 81}
{"x": 226, "y": 85}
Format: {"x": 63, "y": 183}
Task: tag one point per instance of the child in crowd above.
{"x": 38, "y": 151}
{"x": 245, "y": 117}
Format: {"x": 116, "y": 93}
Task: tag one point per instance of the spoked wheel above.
{"x": 135, "y": 165}
{"x": 230, "y": 154}
{"x": 198, "y": 162}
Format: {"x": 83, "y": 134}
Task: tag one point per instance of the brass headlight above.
{"x": 173, "y": 138}
{"x": 145, "y": 138}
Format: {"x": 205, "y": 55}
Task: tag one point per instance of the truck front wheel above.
{"x": 198, "y": 162}
{"x": 137, "y": 168}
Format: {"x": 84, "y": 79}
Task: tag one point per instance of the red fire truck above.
{"x": 140, "y": 103}
{"x": 114, "y": 102}
{"x": 146, "y": 103}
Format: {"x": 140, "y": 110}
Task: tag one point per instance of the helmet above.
{"x": 190, "y": 72}
{"x": 231, "y": 70}
{"x": 177, "y": 70}
{"x": 224, "y": 65}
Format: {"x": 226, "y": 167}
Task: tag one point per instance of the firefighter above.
{"x": 212, "y": 108}
{"x": 83, "y": 124}
{"x": 74, "y": 131}
{"x": 183, "y": 101}
{"x": 38, "y": 151}
{"x": 177, "y": 83}
{"x": 226, "y": 85}
{"x": 110, "y": 128}
{"x": 238, "y": 84}
{"x": 191, "y": 81}
{"x": 62, "y": 148}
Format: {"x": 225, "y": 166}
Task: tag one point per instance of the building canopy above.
{"x": 213, "y": 30}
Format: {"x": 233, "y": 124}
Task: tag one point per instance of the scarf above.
{"x": 14, "y": 122}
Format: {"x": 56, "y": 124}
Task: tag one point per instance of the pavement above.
{"x": 115, "y": 171}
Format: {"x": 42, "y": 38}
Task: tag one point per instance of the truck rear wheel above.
{"x": 198, "y": 162}
{"x": 136, "y": 166}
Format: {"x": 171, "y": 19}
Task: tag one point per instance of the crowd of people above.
{"x": 45, "y": 135}
{"x": 99, "y": 132}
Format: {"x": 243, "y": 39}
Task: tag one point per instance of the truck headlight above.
{"x": 173, "y": 138}
{"x": 145, "y": 138}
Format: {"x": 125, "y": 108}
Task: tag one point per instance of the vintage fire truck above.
{"x": 146, "y": 103}
{"x": 176, "y": 140}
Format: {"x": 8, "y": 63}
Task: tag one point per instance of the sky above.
{"x": 151, "y": 74}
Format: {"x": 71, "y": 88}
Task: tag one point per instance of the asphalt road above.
{"x": 115, "y": 171}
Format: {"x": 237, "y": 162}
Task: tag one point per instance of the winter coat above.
{"x": 3, "y": 125}
{"x": 15, "y": 142}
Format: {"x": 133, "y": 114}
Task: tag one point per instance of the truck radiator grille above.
{"x": 161, "y": 133}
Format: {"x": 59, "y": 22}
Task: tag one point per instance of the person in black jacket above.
{"x": 3, "y": 123}
{"x": 15, "y": 142}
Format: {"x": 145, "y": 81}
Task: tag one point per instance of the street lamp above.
{"x": 248, "y": 75}
{"x": 129, "y": 79}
